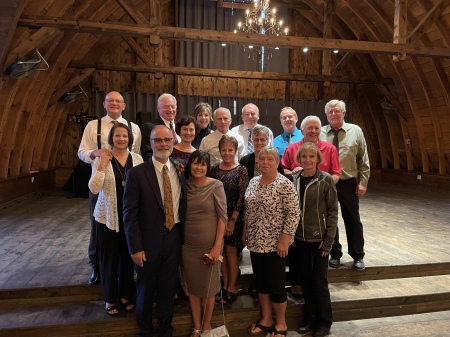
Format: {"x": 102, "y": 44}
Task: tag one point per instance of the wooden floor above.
{"x": 43, "y": 243}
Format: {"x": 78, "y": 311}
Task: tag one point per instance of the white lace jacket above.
{"x": 104, "y": 184}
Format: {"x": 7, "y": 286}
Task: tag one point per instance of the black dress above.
{"x": 235, "y": 182}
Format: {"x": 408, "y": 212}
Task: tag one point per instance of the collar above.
{"x": 166, "y": 122}
{"x": 120, "y": 119}
{"x": 344, "y": 127}
{"x": 159, "y": 166}
{"x": 293, "y": 133}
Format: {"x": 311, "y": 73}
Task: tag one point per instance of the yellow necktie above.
{"x": 168, "y": 202}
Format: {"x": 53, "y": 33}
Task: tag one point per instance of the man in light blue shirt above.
{"x": 288, "y": 120}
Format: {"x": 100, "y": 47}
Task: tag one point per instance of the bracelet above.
{"x": 233, "y": 219}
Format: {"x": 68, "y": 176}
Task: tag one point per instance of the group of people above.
{"x": 180, "y": 202}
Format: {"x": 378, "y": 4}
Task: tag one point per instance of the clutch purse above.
{"x": 208, "y": 260}
{"x": 220, "y": 331}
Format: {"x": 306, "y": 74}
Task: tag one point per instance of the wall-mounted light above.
{"x": 305, "y": 49}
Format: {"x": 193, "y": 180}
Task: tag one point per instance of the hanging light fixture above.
{"x": 261, "y": 19}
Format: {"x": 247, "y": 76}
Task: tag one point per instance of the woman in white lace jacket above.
{"x": 108, "y": 180}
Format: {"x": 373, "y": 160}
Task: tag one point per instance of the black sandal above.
{"x": 110, "y": 310}
{"x": 230, "y": 298}
{"x": 220, "y": 297}
{"x": 125, "y": 306}
{"x": 262, "y": 328}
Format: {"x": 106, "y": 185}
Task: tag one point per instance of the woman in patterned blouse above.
{"x": 271, "y": 217}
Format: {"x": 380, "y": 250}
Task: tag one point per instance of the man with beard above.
{"x": 154, "y": 209}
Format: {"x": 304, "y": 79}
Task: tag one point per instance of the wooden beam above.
{"x": 37, "y": 40}
{"x": 76, "y": 80}
{"x": 228, "y": 73}
{"x": 9, "y": 16}
{"x": 132, "y": 12}
{"x": 202, "y": 35}
{"x": 431, "y": 17}
{"x": 138, "y": 50}
{"x": 327, "y": 34}
{"x": 400, "y": 25}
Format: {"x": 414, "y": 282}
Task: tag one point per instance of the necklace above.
{"x": 120, "y": 171}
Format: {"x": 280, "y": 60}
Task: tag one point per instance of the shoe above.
{"x": 113, "y": 310}
{"x": 196, "y": 333}
{"x": 221, "y": 295}
{"x": 304, "y": 329}
{"x": 127, "y": 306}
{"x": 321, "y": 332}
{"x": 359, "y": 264}
{"x": 278, "y": 332}
{"x": 296, "y": 291}
{"x": 262, "y": 329}
{"x": 334, "y": 263}
{"x": 95, "y": 277}
{"x": 230, "y": 298}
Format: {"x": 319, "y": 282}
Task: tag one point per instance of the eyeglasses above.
{"x": 287, "y": 117}
{"x": 257, "y": 140}
{"x": 160, "y": 140}
{"x": 110, "y": 100}
{"x": 336, "y": 112}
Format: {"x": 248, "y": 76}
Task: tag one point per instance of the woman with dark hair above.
{"x": 108, "y": 180}
{"x": 204, "y": 228}
{"x": 235, "y": 181}
{"x": 203, "y": 116}
{"x": 186, "y": 127}
{"x": 314, "y": 238}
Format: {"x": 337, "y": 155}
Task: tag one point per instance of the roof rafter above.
{"x": 202, "y": 35}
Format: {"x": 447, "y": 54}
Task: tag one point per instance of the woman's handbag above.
{"x": 220, "y": 331}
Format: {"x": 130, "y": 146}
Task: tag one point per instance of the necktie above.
{"x": 115, "y": 122}
{"x": 174, "y": 134}
{"x": 250, "y": 147}
{"x": 289, "y": 137}
{"x": 336, "y": 139}
{"x": 168, "y": 202}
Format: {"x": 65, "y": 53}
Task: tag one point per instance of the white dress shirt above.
{"x": 245, "y": 134}
{"x": 210, "y": 144}
{"x": 89, "y": 140}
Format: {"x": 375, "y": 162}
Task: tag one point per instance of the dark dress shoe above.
{"x": 95, "y": 277}
{"x": 334, "y": 263}
{"x": 304, "y": 329}
{"x": 321, "y": 332}
{"x": 359, "y": 264}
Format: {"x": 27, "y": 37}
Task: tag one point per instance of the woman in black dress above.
{"x": 235, "y": 180}
{"x": 203, "y": 116}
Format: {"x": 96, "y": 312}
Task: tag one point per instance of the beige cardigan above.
{"x": 104, "y": 184}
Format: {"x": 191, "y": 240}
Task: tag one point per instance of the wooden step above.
{"x": 42, "y": 295}
{"x": 88, "y": 318}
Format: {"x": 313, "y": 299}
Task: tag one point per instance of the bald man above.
{"x": 95, "y": 142}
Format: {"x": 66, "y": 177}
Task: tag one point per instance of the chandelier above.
{"x": 261, "y": 19}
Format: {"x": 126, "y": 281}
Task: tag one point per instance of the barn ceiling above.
{"x": 399, "y": 47}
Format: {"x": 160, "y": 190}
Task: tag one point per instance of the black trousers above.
{"x": 349, "y": 202}
{"x": 314, "y": 282}
{"x": 116, "y": 265}
{"x": 159, "y": 277}
{"x": 92, "y": 248}
{"x": 294, "y": 272}
{"x": 269, "y": 273}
